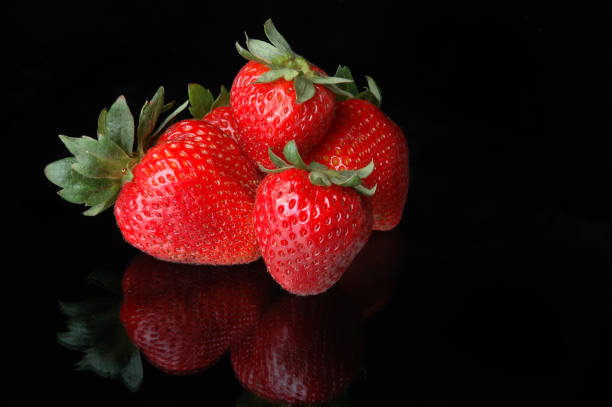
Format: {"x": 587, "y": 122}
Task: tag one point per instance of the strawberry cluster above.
{"x": 291, "y": 165}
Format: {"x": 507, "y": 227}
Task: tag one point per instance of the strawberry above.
{"x": 302, "y": 350}
{"x": 183, "y": 318}
{"x": 309, "y": 223}
{"x": 279, "y": 96}
{"x": 361, "y": 133}
{"x": 187, "y": 199}
{"x": 214, "y": 111}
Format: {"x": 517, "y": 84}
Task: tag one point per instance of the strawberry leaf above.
{"x": 168, "y": 106}
{"x": 247, "y": 55}
{"x": 374, "y": 90}
{"x": 366, "y": 171}
{"x": 266, "y": 52}
{"x": 284, "y": 63}
{"x": 120, "y": 125}
{"x": 102, "y": 129}
{"x": 347, "y": 181}
{"x": 345, "y": 91}
{"x": 292, "y": 155}
{"x": 99, "y": 193}
{"x": 100, "y": 158}
{"x": 102, "y": 199}
{"x": 304, "y": 89}
{"x": 329, "y": 80}
{"x": 276, "y": 38}
{"x": 100, "y": 167}
{"x": 222, "y": 100}
{"x": 365, "y": 191}
{"x": 276, "y": 160}
{"x": 320, "y": 174}
{"x": 319, "y": 178}
{"x": 372, "y": 93}
{"x": 148, "y": 118}
{"x": 200, "y": 100}
{"x": 345, "y": 72}
{"x": 275, "y": 74}
{"x": 166, "y": 121}
{"x": 76, "y": 188}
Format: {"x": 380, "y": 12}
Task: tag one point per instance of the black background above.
{"x": 505, "y": 290}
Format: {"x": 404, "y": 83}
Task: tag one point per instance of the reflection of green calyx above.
{"x": 99, "y": 167}
{"x": 371, "y": 93}
{"x": 319, "y": 174}
{"x": 202, "y": 101}
{"x": 286, "y": 64}
{"x": 94, "y": 327}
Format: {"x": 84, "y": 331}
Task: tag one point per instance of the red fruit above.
{"x": 362, "y": 133}
{"x": 302, "y": 350}
{"x": 191, "y": 199}
{"x": 279, "y": 96}
{"x": 268, "y": 115}
{"x": 187, "y": 199}
{"x": 222, "y": 118}
{"x": 217, "y": 111}
{"x": 309, "y": 234}
{"x": 184, "y": 318}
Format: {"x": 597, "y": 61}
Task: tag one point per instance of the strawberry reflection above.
{"x": 303, "y": 349}
{"x": 182, "y": 319}
{"x": 307, "y": 350}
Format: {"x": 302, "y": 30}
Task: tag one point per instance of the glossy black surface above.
{"x": 503, "y": 261}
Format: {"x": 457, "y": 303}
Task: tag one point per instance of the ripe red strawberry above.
{"x": 222, "y": 118}
{"x": 302, "y": 350}
{"x": 279, "y": 96}
{"x": 188, "y": 199}
{"x": 361, "y": 133}
{"x": 184, "y": 318}
{"x": 309, "y": 224}
{"x": 214, "y": 111}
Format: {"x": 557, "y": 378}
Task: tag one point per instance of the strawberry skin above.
{"x": 183, "y": 318}
{"x": 361, "y": 133}
{"x": 302, "y": 350}
{"x": 223, "y": 118}
{"x": 191, "y": 198}
{"x": 309, "y": 234}
{"x": 267, "y": 114}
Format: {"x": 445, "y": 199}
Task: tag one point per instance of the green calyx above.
{"x": 349, "y": 90}
{"x": 320, "y": 174}
{"x": 99, "y": 167}
{"x": 202, "y": 101}
{"x": 286, "y": 64}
